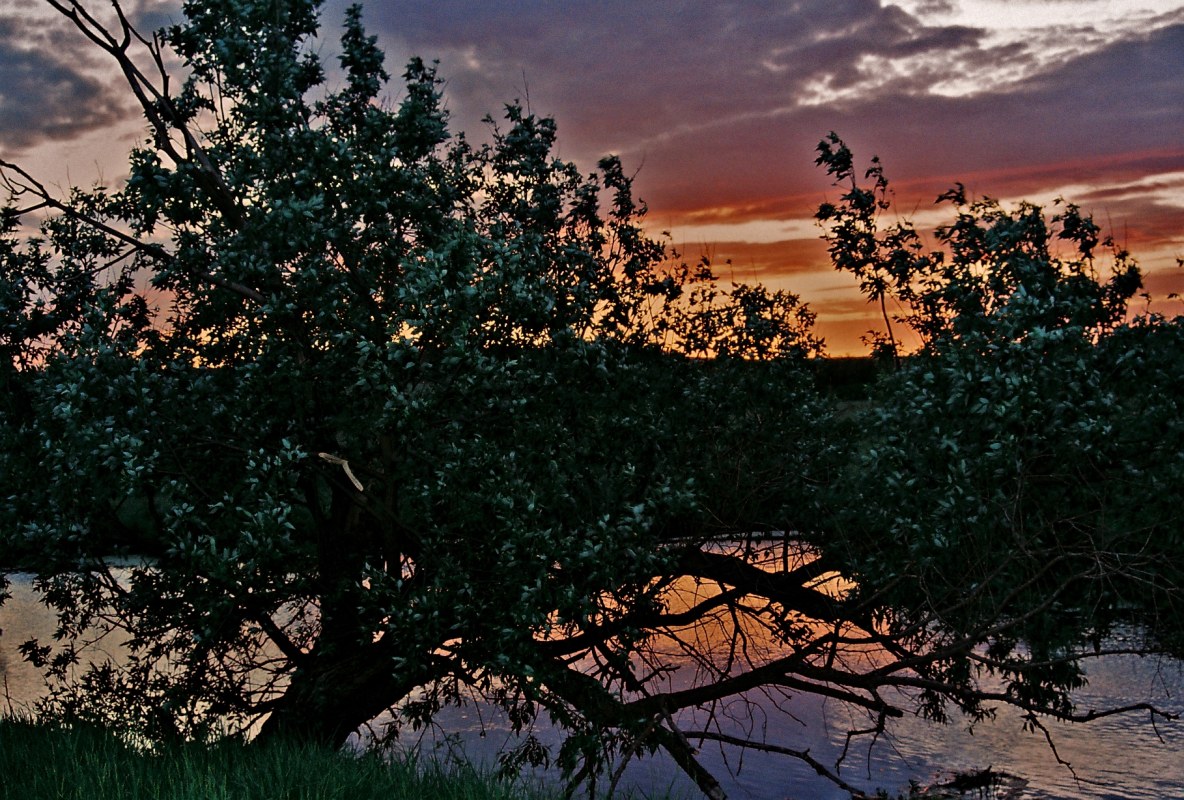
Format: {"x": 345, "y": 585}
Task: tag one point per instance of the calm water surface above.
{"x": 1120, "y": 757}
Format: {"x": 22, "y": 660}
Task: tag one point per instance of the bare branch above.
{"x": 155, "y": 103}
{"x": 155, "y": 251}
{"x": 802, "y": 755}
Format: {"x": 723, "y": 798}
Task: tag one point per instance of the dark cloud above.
{"x": 1127, "y": 98}
{"x": 50, "y": 88}
{"x": 934, "y": 7}
{"x": 721, "y": 103}
{"x": 1104, "y": 116}
{"x": 618, "y": 73}
{"x": 154, "y": 19}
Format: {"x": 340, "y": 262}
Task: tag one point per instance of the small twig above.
{"x": 1038, "y": 725}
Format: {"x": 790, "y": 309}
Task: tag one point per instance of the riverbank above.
{"x": 44, "y": 762}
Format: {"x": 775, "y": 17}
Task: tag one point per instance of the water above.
{"x": 21, "y": 618}
{"x": 1115, "y": 758}
{"x": 1120, "y": 758}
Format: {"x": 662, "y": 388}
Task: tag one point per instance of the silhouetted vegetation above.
{"x": 405, "y": 419}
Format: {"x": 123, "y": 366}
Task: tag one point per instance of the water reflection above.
{"x": 21, "y": 618}
{"x": 1115, "y": 758}
{"x": 1121, "y": 757}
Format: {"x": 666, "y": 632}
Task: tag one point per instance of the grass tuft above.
{"x": 44, "y": 762}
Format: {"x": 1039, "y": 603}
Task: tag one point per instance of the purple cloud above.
{"x": 49, "y": 90}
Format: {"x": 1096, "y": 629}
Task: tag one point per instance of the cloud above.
{"x": 721, "y": 104}
{"x": 151, "y": 15}
{"x": 718, "y": 105}
{"x": 657, "y": 67}
{"x": 52, "y": 88}
{"x": 1110, "y": 114}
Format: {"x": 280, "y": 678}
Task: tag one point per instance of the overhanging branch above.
{"x": 30, "y": 185}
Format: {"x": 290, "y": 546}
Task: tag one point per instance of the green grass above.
{"x": 39, "y": 762}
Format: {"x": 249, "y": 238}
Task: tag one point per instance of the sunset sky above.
{"x": 719, "y": 106}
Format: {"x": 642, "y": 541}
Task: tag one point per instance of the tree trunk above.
{"x": 331, "y": 696}
{"x": 347, "y": 679}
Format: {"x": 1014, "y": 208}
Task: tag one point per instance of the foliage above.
{"x": 995, "y": 276}
{"x": 1017, "y": 497}
{"x": 389, "y": 411}
{"x": 398, "y": 419}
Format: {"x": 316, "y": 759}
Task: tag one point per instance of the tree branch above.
{"x": 155, "y": 251}
{"x": 803, "y": 755}
{"x": 154, "y": 101}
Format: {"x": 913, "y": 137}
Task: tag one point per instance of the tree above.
{"x": 1021, "y": 462}
{"x": 400, "y": 418}
{"x": 391, "y": 411}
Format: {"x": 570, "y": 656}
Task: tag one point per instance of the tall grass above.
{"x": 40, "y": 762}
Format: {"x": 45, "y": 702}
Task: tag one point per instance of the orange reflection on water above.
{"x": 743, "y": 626}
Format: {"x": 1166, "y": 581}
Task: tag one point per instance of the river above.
{"x": 1119, "y": 758}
